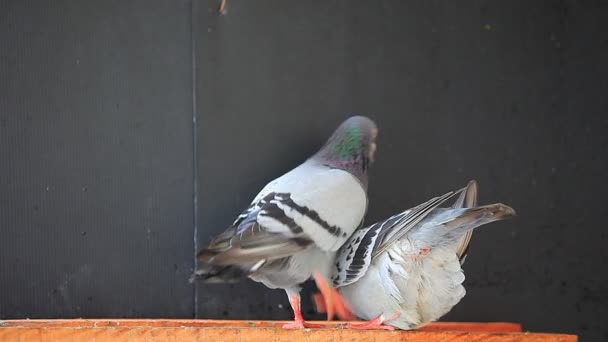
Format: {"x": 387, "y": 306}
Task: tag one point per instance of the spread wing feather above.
{"x": 366, "y": 244}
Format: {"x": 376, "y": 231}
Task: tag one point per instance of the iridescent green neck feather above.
{"x": 350, "y": 144}
{"x": 350, "y": 148}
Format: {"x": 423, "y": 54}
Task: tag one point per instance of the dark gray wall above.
{"x": 96, "y": 106}
{"x": 96, "y": 149}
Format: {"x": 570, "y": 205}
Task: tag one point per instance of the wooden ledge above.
{"x": 244, "y": 331}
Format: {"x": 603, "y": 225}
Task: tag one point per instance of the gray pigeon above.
{"x": 406, "y": 271}
{"x": 295, "y": 225}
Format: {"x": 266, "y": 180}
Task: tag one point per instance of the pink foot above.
{"x": 301, "y": 325}
{"x": 298, "y": 323}
{"x": 374, "y": 324}
{"x": 368, "y": 326}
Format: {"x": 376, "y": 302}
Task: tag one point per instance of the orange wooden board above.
{"x": 244, "y": 331}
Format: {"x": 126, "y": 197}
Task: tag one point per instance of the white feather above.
{"x": 427, "y": 286}
{"x": 384, "y": 271}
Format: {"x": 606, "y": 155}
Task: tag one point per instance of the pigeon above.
{"x": 293, "y": 228}
{"x": 406, "y": 271}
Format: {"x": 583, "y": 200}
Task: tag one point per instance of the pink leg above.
{"x": 328, "y": 294}
{"x": 298, "y": 323}
{"x": 376, "y": 323}
{"x": 342, "y": 310}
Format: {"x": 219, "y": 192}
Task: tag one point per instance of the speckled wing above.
{"x": 355, "y": 256}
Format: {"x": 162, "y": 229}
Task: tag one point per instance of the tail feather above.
{"x": 472, "y": 218}
{"x": 449, "y": 226}
{"x": 468, "y": 199}
{"x": 217, "y": 274}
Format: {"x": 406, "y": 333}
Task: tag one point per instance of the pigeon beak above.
{"x": 372, "y": 151}
{"x": 372, "y": 145}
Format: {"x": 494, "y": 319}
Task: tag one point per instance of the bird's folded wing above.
{"x": 249, "y": 244}
{"x": 323, "y": 205}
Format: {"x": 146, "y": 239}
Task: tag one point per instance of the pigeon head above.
{"x": 351, "y": 147}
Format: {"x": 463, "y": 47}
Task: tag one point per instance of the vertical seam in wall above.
{"x": 193, "y": 80}
{"x": 561, "y": 78}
